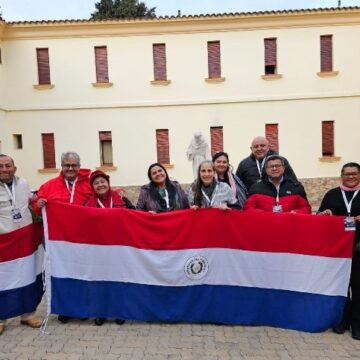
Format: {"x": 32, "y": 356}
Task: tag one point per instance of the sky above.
{"x": 27, "y": 10}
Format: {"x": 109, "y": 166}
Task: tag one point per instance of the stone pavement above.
{"x": 82, "y": 340}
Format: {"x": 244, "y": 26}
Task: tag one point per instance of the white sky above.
{"x": 19, "y": 10}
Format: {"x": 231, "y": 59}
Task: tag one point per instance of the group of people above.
{"x": 264, "y": 181}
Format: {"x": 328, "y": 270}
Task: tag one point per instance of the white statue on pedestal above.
{"x": 198, "y": 151}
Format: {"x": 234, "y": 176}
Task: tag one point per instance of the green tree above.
{"x": 122, "y": 9}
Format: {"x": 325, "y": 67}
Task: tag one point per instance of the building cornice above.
{"x": 182, "y": 24}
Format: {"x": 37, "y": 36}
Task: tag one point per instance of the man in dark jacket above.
{"x": 277, "y": 193}
{"x": 251, "y": 169}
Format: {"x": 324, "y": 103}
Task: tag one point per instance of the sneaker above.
{"x": 64, "y": 319}
{"x": 99, "y": 321}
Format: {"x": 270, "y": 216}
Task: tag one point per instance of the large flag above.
{"x": 21, "y": 264}
{"x": 231, "y": 267}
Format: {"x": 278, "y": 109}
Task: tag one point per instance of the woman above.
{"x": 104, "y": 197}
{"x": 224, "y": 174}
{"x": 207, "y": 192}
{"x": 345, "y": 200}
{"x": 161, "y": 194}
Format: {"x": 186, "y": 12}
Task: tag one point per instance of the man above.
{"x": 276, "y": 192}
{"x": 15, "y": 196}
{"x": 72, "y": 186}
{"x": 251, "y": 169}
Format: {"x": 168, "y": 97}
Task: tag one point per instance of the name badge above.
{"x": 349, "y": 224}
{"x": 277, "y": 209}
{"x": 16, "y": 215}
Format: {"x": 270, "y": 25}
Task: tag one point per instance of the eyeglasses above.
{"x": 350, "y": 174}
{"x": 275, "y": 166}
{"x": 68, "y": 166}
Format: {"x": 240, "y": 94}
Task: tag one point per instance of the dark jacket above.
{"x": 147, "y": 202}
{"x": 292, "y": 197}
{"x": 248, "y": 172}
{"x": 334, "y": 201}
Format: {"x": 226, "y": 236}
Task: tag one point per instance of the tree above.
{"x": 122, "y": 9}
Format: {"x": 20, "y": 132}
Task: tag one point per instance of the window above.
{"x": 272, "y": 135}
{"x": 101, "y": 64}
{"x": 106, "y": 152}
{"x": 326, "y": 61}
{"x": 18, "y": 144}
{"x": 270, "y": 56}
{"x": 162, "y": 146}
{"x": 328, "y": 138}
{"x": 0, "y": 57}
{"x": 216, "y": 137}
{"x": 214, "y": 64}
{"x": 48, "y": 143}
{"x": 159, "y": 57}
{"x": 43, "y": 66}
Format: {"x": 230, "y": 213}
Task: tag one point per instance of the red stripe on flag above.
{"x": 20, "y": 243}
{"x": 205, "y": 228}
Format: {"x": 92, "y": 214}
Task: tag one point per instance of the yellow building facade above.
{"x": 77, "y": 109}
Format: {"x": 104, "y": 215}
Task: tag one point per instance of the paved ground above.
{"x": 82, "y": 340}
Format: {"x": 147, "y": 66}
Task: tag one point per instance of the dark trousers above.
{"x": 352, "y": 306}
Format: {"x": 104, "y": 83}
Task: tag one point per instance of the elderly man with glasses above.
{"x": 276, "y": 192}
{"x": 71, "y": 186}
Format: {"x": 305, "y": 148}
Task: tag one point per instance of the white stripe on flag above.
{"x": 20, "y": 272}
{"x": 283, "y": 271}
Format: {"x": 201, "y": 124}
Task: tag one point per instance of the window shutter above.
{"x": 48, "y": 143}
{"x": 328, "y": 138}
{"x": 105, "y": 136}
{"x": 214, "y": 63}
{"x": 101, "y": 63}
{"x": 326, "y": 53}
{"x": 272, "y": 135}
{"x": 216, "y": 137}
{"x": 43, "y": 66}
{"x": 162, "y": 146}
{"x": 159, "y": 56}
{"x": 270, "y": 52}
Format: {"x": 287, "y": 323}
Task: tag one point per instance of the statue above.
{"x": 198, "y": 151}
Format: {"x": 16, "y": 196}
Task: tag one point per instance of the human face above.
{"x": 206, "y": 174}
{"x": 7, "y": 169}
{"x": 70, "y": 168}
{"x": 101, "y": 187}
{"x": 221, "y": 165}
{"x": 274, "y": 169}
{"x": 158, "y": 175}
{"x": 350, "y": 177}
{"x": 259, "y": 148}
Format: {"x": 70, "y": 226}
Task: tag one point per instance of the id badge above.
{"x": 349, "y": 224}
{"x": 16, "y": 215}
{"x": 277, "y": 208}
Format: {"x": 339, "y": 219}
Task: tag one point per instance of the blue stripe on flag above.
{"x": 196, "y": 304}
{"x": 22, "y": 300}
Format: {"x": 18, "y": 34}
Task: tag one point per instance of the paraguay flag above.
{"x": 21, "y": 263}
{"x": 229, "y": 267}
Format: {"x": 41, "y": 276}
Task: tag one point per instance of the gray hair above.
{"x": 9, "y": 157}
{"x": 70, "y": 154}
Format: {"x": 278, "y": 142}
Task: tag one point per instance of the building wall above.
{"x": 133, "y": 109}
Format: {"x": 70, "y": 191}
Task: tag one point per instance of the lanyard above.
{"x": 277, "y": 194}
{"x": 211, "y": 202}
{"x": 72, "y": 191}
{"x": 11, "y": 193}
{"x": 102, "y": 205}
{"x": 260, "y": 167}
{"x": 348, "y": 203}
